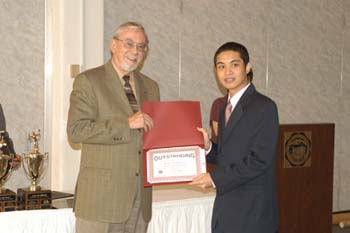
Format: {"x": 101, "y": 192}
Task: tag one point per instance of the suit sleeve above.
{"x": 259, "y": 158}
{"x": 82, "y": 125}
{"x": 211, "y": 157}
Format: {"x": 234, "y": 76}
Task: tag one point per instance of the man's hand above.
{"x": 203, "y": 181}
{"x": 140, "y": 120}
{"x": 205, "y": 137}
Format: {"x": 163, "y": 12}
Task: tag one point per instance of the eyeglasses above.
{"x": 129, "y": 44}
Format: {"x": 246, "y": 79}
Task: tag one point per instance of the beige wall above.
{"x": 300, "y": 52}
{"x": 22, "y": 83}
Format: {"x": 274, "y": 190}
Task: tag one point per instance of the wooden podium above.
{"x": 305, "y": 177}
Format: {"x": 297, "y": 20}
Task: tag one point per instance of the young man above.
{"x": 246, "y": 199}
{"x": 105, "y": 117}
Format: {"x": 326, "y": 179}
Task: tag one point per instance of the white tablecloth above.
{"x": 175, "y": 210}
{"x": 182, "y": 216}
{"x": 38, "y": 221}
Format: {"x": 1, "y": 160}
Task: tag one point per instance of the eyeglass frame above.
{"x": 139, "y": 46}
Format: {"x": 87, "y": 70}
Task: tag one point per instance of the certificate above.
{"x": 172, "y": 149}
{"x": 177, "y": 164}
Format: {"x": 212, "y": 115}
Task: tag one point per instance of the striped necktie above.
{"x": 228, "y": 112}
{"x": 130, "y": 94}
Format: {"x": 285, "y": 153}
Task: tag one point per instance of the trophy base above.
{"x": 33, "y": 200}
{"x": 7, "y": 200}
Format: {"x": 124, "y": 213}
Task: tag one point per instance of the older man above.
{"x": 105, "y": 117}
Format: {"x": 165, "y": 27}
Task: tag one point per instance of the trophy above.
{"x": 7, "y": 196}
{"x": 34, "y": 164}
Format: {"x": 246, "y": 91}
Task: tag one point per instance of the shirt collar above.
{"x": 236, "y": 97}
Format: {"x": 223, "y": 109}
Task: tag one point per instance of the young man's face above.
{"x": 126, "y": 52}
{"x": 231, "y": 71}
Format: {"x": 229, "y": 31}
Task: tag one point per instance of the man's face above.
{"x": 126, "y": 49}
{"x": 231, "y": 71}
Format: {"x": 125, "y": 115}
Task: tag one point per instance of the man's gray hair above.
{"x": 129, "y": 25}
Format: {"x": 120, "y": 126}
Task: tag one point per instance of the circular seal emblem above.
{"x": 297, "y": 149}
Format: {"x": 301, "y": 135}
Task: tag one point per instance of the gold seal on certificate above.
{"x": 177, "y": 164}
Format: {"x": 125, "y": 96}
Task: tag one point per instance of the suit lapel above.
{"x": 236, "y": 115}
{"x": 116, "y": 87}
{"x": 139, "y": 88}
{"x": 232, "y": 122}
{"x": 142, "y": 89}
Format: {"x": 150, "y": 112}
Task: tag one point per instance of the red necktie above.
{"x": 228, "y": 112}
{"x": 130, "y": 94}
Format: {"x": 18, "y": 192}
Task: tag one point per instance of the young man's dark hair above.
{"x": 236, "y": 47}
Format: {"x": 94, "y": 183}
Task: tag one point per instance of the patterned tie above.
{"x": 130, "y": 94}
{"x": 228, "y": 112}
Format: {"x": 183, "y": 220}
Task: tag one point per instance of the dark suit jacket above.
{"x": 9, "y": 149}
{"x": 111, "y": 155}
{"x": 246, "y": 200}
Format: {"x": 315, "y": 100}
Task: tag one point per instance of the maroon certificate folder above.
{"x": 175, "y": 126}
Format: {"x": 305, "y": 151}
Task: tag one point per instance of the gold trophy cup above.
{"x": 34, "y": 165}
{"x": 5, "y": 169}
{"x": 7, "y": 196}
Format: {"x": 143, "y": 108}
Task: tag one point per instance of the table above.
{"x": 182, "y": 216}
{"x": 176, "y": 209}
{"x": 38, "y": 221}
